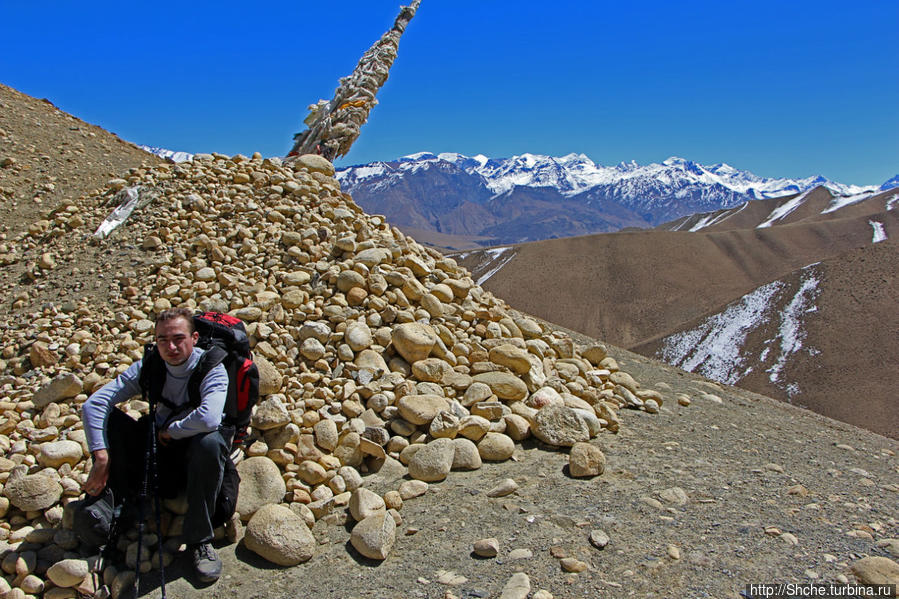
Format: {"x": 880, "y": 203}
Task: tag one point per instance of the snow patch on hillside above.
{"x": 494, "y": 255}
{"x": 716, "y": 348}
{"x": 843, "y": 201}
{"x": 784, "y": 210}
{"x": 791, "y": 334}
{"x": 880, "y": 233}
{"x": 713, "y": 349}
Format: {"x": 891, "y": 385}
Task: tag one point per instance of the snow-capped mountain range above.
{"x": 576, "y": 173}
{"x": 531, "y": 197}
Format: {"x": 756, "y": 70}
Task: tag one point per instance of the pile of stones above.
{"x": 374, "y": 353}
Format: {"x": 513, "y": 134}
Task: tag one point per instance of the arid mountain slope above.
{"x": 631, "y": 286}
{"x": 800, "y": 337}
{"x": 634, "y": 288}
{"x": 47, "y": 155}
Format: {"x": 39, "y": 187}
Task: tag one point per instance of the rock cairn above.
{"x": 333, "y": 126}
{"x": 373, "y": 350}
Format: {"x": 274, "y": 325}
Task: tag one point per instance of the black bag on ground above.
{"x": 93, "y": 518}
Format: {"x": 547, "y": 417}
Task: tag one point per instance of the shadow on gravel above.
{"x": 361, "y": 559}
{"x": 180, "y": 569}
{"x": 241, "y": 553}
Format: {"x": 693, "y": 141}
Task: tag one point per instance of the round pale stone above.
{"x": 414, "y": 341}
{"x": 474, "y": 427}
{"x": 270, "y": 379}
{"x": 315, "y": 164}
{"x": 465, "y": 455}
{"x": 876, "y": 570}
{"x": 585, "y": 460}
{"x": 496, "y": 447}
{"x": 545, "y": 396}
{"x": 421, "y": 409}
{"x": 413, "y": 488}
{"x": 517, "y": 587}
{"x": 374, "y": 536}
{"x": 32, "y": 492}
{"x": 517, "y": 427}
{"x": 260, "y": 484}
{"x": 430, "y": 370}
{"x": 312, "y": 349}
{"x": 513, "y": 358}
{"x": 358, "y": 336}
{"x": 433, "y": 462}
{"x": 560, "y": 426}
{"x": 57, "y": 453}
{"x": 62, "y": 387}
{"x": 504, "y": 385}
{"x": 444, "y": 424}
{"x": 365, "y": 503}
{"x": 68, "y": 572}
{"x": 270, "y": 413}
{"x": 279, "y": 535}
{"x": 371, "y": 360}
{"x": 595, "y": 354}
{"x": 486, "y": 547}
{"x": 326, "y": 435}
{"x": 206, "y": 273}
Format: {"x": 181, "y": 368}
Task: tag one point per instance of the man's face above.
{"x": 175, "y": 341}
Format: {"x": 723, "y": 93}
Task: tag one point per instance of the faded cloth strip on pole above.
{"x": 333, "y": 126}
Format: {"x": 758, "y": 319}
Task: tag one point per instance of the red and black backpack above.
{"x": 225, "y": 340}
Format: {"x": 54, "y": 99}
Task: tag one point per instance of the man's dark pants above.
{"x": 194, "y": 464}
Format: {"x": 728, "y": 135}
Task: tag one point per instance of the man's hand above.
{"x": 164, "y": 437}
{"x": 99, "y": 474}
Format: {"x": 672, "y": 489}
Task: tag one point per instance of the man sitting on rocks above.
{"x": 192, "y": 444}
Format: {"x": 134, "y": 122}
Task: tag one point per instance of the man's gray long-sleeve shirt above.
{"x": 206, "y": 417}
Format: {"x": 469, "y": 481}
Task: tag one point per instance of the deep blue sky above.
{"x": 790, "y": 89}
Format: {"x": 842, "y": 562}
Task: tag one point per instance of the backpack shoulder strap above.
{"x": 152, "y": 372}
{"x": 211, "y": 358}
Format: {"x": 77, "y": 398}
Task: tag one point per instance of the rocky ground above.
{"x": 772, "y": 493}
{"x": 375, "y": 352}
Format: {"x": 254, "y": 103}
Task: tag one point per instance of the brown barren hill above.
{"x": 635, "y": 288}
{"x": 50, "y": 161}
{"x": 823, "y": 337}
{"x": 48, "y": 155}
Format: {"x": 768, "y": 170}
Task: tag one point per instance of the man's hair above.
{"x": 172, "y": 313}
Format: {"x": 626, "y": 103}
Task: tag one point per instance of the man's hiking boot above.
{"x": 206, "y": 562}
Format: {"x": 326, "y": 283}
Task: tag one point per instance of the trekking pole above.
{"x": 150, "y": 474}
{"x": 156, "y": 502}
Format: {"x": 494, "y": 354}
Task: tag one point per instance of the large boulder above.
{"x": 260, "y": 484}
{"x": 414, "y": 341}
{"x": 270, "y": 380}
{"x": 560, "y": 426}
{"x": 64, "y": 386}
{"x": 504, "y": 385}
{"x": 434, "y": 461}
{"x": 374, "y": 536}
{"x": 421, "y": 409}
{"x": 30, "y": 492}
{"x": 279, "y": 535}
